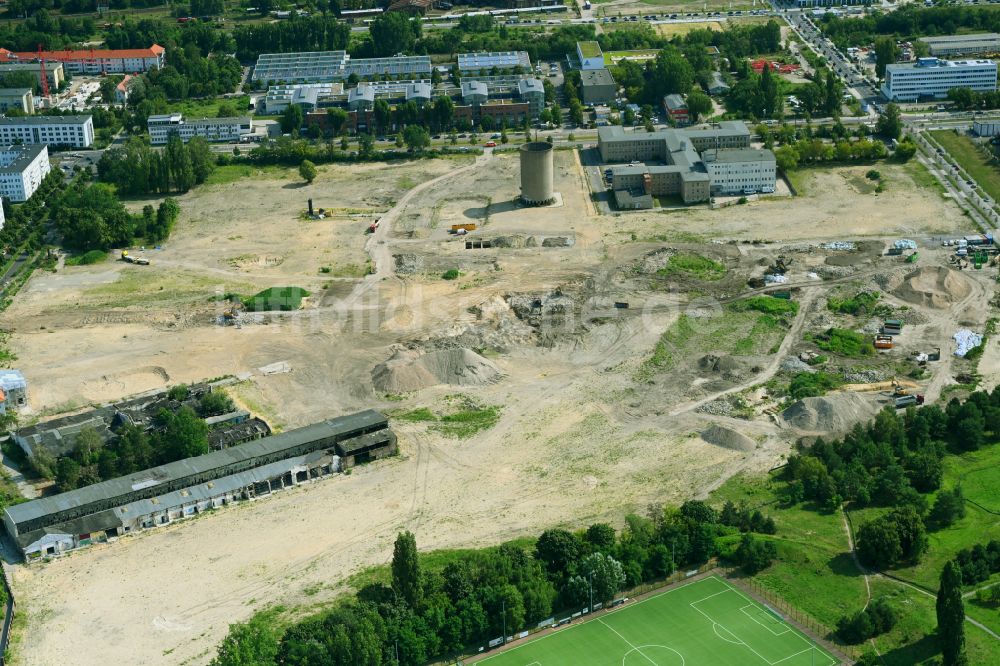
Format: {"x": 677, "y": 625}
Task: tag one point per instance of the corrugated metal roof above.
{"x": 123, "y": 486}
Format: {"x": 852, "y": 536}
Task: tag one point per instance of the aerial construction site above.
{"x": 541, "y": 362}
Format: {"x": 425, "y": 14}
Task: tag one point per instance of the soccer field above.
{"x": 706, "y": 623}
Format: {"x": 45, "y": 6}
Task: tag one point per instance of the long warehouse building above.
{"x": 53, "y": 525}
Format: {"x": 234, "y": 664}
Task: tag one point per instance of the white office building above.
{"x": 22, "y": 170}
{"x": 211, "y": 129}
{"x": 742, "y": 171}
{"x": 72, "y": 131}
{"x": 590, "y": 55}
{"x": 932, "y": 78}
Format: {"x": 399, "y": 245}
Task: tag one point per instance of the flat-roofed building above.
{"x": 21, "y": 99}
{"x": 53, "y": 71}
{"x": 533, "y": 92}
{"x": 617, "y": 145}
{"x": 72, "y": 131}
{"x": 325, "y": 66}
{"x": 22, "y": 169}
{"x": 982, "y": 43}
{"x": 211, "y": 129}
{"x": 740, "y": 171}
{"x": 485, "y": 61}
{"x": 932, "y": 78}
{"x": 590, "y": 55}
{"x": 597, "y": 86}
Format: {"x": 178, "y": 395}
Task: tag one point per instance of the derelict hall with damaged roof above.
{"x": 156, "y": 496}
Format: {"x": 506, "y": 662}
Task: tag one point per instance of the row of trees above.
{"x": 815, "y": 151}
{"x": 909, "y": 22}
{"x": 969, "y": 99}
{"x": 427, "y": 614}
{"x": 136, "y": 168}
{"x": 41, "y": 27}
{"x": 90, "y": 217}
{"x": 315, "y": 33}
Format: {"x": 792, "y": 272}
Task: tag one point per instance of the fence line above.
{"x": 8, "y": 615}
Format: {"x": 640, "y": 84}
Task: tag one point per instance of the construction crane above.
{"x": 44, "y": 75}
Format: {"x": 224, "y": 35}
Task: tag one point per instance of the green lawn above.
{"x": 964, "y": 151}
{"x": 705, "y": 623}
{"x": 209, "y": 108}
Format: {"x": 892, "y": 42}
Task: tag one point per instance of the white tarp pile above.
{"x": 905, "y": 244}
{"x": 966, "y": 341}
{"x": 775, "y": 279}
{"x": 839, "y": 245}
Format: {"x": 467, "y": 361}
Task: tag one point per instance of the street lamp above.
{"x": 590, "y": 608}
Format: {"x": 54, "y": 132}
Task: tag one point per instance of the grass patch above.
{"x": 209, "y": 108}
{"x": 692, "y": 265}
{"x": 916, "y": 170}
{"x": 962, "y": 149}
{"x": 462, "y": 419}
{"x": 766, "y": 304}
{"x": 843, "y": 342}
{"x": 276, "y": 298}
{"x": 92, "y": 257}
{"x": 231, "y": 173}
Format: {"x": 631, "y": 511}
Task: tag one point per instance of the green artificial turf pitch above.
{"x": 705, "y": 623}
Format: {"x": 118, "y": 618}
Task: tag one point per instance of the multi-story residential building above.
{"x": 211, "y": 129}
{"x": 932, "y": 78}
{"x": 963, "y": 45}
{"x": 72, "y": 131}
{"x": 96, "y": 61}
{"x": 53, "y": 71}
{"x": 533, "y": 92}
{"x": 21, "y": 99}
{"x": 22, "y": 170}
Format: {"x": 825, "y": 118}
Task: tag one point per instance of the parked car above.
{"x": 491, "y": 144}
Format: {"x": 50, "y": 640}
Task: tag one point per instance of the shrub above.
{"x": 276, "y": 298}
{"x": 92, "y": 257}
{"x": 812, "y": 384}
{"x": 451, "y": 274}
{"x": 873, "y": 174}
{"x": 864, "y": 302}
{"x": 878, "y": 618}
{"x": 694, "y": 265}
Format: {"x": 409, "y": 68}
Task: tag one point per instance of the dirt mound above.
{"x": 728, "y": 439}
{"x": 934, "y": 287}
{"x": 727, "y": 366}
{"x": 411, "y": 370}
{"x": 837, "y": 412}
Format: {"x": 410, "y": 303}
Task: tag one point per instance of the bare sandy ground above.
{"x": 579, "y": 439}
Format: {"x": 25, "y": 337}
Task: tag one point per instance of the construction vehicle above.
{"x": 468, "y": 226}
{"x": 374, "y": 225}
{"x": 979, "y": 258}
{"x": 141, "y": 261}
{"x": 892, "y": 327}
{"x": 883, "y": 342}
{"x": 232, "y": 315}
{"x": 909, "y": 399}
{"x": 912, "y": 258}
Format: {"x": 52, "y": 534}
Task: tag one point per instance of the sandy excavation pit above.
{"x": 581, "y": 411}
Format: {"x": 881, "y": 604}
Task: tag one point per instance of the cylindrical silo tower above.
{"x": 536, "y": 173}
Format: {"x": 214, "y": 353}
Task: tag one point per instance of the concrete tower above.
{"x": 536, "y": 173}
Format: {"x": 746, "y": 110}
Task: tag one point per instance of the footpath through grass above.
{"x": 968, "y": 156}
{"x": 705, "y": 623}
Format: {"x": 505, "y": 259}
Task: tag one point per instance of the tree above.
{"x": 557, "y": 550}
{"x": 886, "y": 53}
{"x": 606, "y": 574}
{"x": 392, "y": 33}
{"x": 67, "y": 473}
{"x": 963, "y": 98}
{"x": 406, "y": 569}
{"x": 416, "y": 138}
{"x": 699, "y": 104}
{"x": 754, "y": 555}
{"x": 905, "y": 150}
{"x": 308, "y": 171}
{"x": 254, "y": 643}
{"x": 949, "y": 506}
{"x": 202, "y": 161}
{"x": 179, "y": 165}
{"x": 890, "y": 123}
{"x": 878, "y": 544}
{"x": 291, "y": 118}
{"x": 215, "y": 403}
{"x": 337, "y": 118}
{"x": 951, "y": 616}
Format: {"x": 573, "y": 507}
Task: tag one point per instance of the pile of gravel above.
{"x": 728, "y": 439}
{"x": 793, "y": 364}
{"x": 864, "y": 376}
{"x": 833, "y": 413}
{"x": 410, "y": 370}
